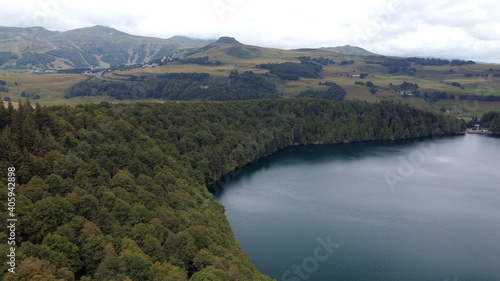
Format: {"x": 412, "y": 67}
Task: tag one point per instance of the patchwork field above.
{"x": 471, "y": 79}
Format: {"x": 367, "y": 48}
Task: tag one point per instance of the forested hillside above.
{"x": 118, "y": 192}
{"x": 180, "y": 86}
{"x": 492, "y": 120}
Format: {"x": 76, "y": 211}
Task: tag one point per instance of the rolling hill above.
{"x": 462, "y": 88}
{"x": 96, "y": 46}
{"x": 349, "y": 50}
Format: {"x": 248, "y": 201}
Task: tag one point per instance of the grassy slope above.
{"x": 429, "y": 78}
{"x": 97, "y": 40}
{"x": 50, "y": 87}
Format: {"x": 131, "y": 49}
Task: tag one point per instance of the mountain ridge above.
{"x": 103, "y": 47}
{"x": 190, "y": 40}
{"x": 96, "y": 46}
{"x": 349, "y": 50}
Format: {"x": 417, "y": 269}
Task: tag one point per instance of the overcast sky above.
{"x": 449, "y": 29}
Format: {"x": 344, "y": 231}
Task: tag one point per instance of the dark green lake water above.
{"x": 405, "y": 210}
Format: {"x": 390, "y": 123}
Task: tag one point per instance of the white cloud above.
{"x": 466, "y": 29}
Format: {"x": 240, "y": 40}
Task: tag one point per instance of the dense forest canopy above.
{"x": 180, "y": 86}
{"x": 292, "y": 70}
{"x": 118, "y": 192}
{"x": 6, "y": 56}
{"x": 334, "y": 92}
{"x": 490, "y": 119}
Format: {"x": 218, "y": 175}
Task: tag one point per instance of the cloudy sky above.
{"x": 449, "y": 28}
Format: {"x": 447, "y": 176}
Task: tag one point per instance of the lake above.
{"x": 424, "y": 209}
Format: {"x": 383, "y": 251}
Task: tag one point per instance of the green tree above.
{"x": 91, "y": 253}
{"x": 34, "y": 269}
{"x": 63, "y": 245}
{"x": 133, "y": 262}
{"x": 168, "y": 272}
{"x": 180, "y": 248}
{"x": 36, "y": 189}
{"x": 204, "y": 276}
{"x": 44, "y": 217}
{"x": 202, "y": 259}
{"x": 56, "y": 185}
{"x": 109, "y": 268}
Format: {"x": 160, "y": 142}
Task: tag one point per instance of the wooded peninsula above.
{"x": 118, "y": 191}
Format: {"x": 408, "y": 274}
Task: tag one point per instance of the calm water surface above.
{"x": 406, "y": 210}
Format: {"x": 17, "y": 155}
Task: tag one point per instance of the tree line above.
{"x": 491, "y": 119}
{"x": 293, "y": 71}
{"x": 6, "y": 56}
{"x": 438, "y": 62}
{"x": 334, "y": 92}
{"x": 479, "y": 97}
{"x": 3, "y": 86}
{"x": 395, "y": 65}
{"x": 180, "y": 86}
{"x": 35, "y": 59}
{"x": 78, "y": 59}
{"x": 200, "y": 61}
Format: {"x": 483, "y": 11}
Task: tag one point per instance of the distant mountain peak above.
{"x": 99, "y": 29}
{"x": 27, "y": 31}
{"x": 348, "y": 50}
{"x": 227, "y": 40}
{"x": 98, "y": 46}
{"x": 223, "y": 41}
